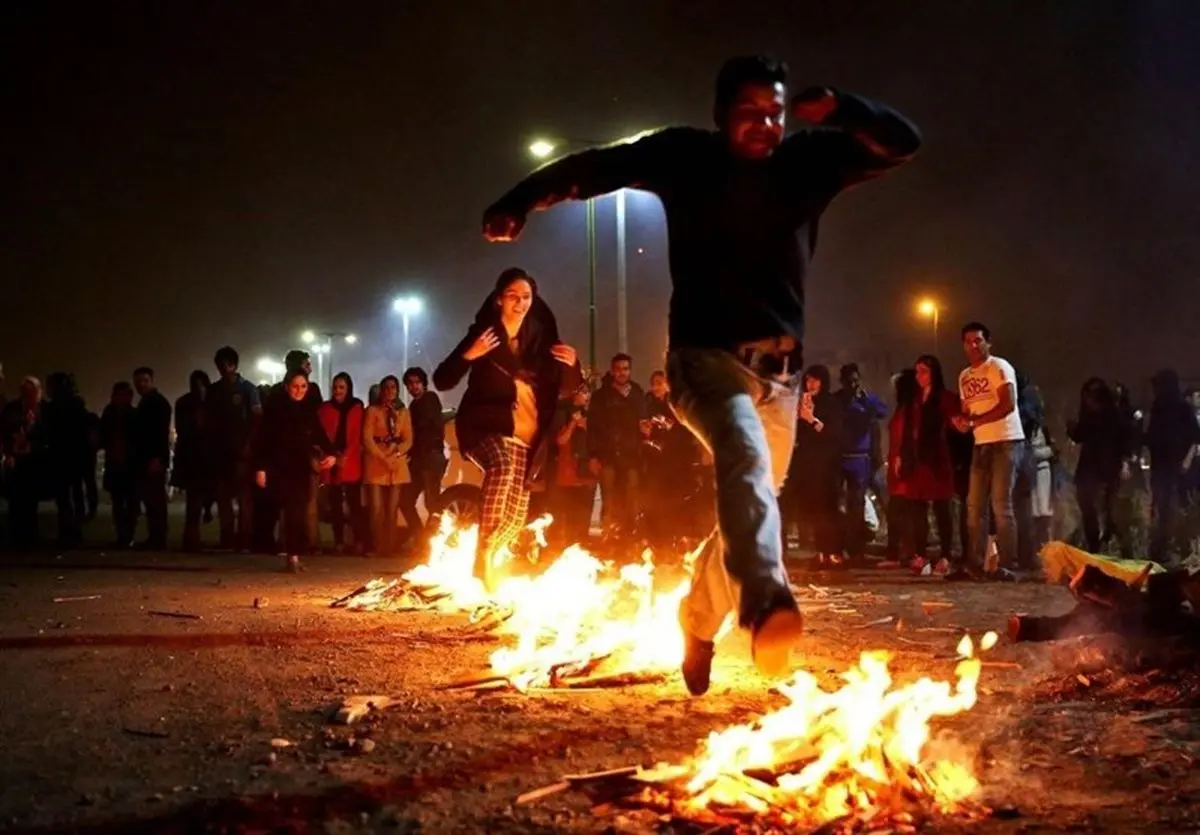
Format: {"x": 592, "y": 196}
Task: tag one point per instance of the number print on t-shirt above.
{"x": 975, "y": 387}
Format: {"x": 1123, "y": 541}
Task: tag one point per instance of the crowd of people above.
{"x": 260, "y": 454}
{"x": 933, "y": 458}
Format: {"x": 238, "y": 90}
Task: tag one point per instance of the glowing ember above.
{"x": 853, "y": 752}
{"x": 576, "y": 612}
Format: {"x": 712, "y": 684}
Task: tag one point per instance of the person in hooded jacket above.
{"x": 342, "y": 416}
{"x": 1172, "y": 436}
{"x": 517, "y": 370}
{"x": 1104, "y": 440}
{"x": 293, "y": 447}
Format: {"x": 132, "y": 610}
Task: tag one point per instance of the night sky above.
{"x": 178, "y": 176}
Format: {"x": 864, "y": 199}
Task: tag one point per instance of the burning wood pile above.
{"x": 574, "y": 619}
{"x": 855, "y": 759}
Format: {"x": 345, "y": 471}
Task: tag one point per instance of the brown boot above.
{"x": 772, "y": 641}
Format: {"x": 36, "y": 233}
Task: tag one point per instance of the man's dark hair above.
{"x": 659, "y": 373}
{"x": 976, "y": 326}
{"x": 226, "y": 356}
{"x": 295, "y": 358}
{"x": 741, "y": 70}
{"x": 847, "y": 371}
{"x": 419, "y": 373}
{"x": 143, "y": 369}
{"x": 121, "y": 387}
{"x": 621, "y": 358}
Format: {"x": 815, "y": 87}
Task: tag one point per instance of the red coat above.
{"x": 349, "y": 469}
{"x": 929, "y": 477}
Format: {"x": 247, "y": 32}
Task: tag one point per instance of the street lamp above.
{"x": 273, "y": 368}
{"x": 930, "y": 309}
{"x": 543, "y": 148}
{"x": 407, "y": 307}
{"x": 321, "y": 345}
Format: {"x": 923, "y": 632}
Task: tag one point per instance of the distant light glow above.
{"x": 351, "y": 339}
{"x": 308, "y": 337}
{"x": 408, "y": 305}
{"x": 270, "y": 367}
{"x": 928, "y": 308}
{"x": 541, "y": 148}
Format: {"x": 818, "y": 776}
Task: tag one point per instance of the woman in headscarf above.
{"x": 810, "y": 494}
{"x": 342, "y": 417}
{"x": 387, "y": 437}
{"x": 518, "y": 370}
{"x": 293, "y": 444}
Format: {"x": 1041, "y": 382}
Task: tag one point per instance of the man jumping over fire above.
{"x": 742, "y": 205}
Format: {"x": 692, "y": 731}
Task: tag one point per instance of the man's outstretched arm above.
{"x": 639, "y": 163}
{"x": 859, "y": 138}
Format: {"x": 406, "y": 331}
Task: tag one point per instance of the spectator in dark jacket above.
{"x": 1171, "y": 439}
{"x": 233, "y": 406}
{"x": 427, "y": 457}
{"x": 617, "y": 425}
{"x": 810, "y": 493}
{"x": 1104, "y": 438}
{"x": 297, "y": 360}
{"x": 66, "y": 424}
{"x": 152, "y": 455}
{"x": 293, "y": 448}
{"x": 193, "y": 470}
{"x": 518, "y": 369}
{"x": 117, "y": 439}
{"x": 24, "y": 440}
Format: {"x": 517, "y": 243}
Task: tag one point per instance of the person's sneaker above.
{"x": 292, "y": 564}
{"x": 773, "y": 639}
{"x": 697, "y": 658}
{"x": 918, "y": 566}
{"x": 942, "y": 568}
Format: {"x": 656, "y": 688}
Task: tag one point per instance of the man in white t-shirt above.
{"x": 988, "y": 388}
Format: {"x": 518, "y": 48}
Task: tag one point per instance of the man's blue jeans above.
{"x": 993, "y": 475}
{"x": 748, "y": 423}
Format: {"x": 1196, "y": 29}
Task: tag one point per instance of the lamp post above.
{"x": 407, "y": 307}
{"x": 930, "y": 309}
{"x": 543, "y": 148}
{"x": 321, "y": 344}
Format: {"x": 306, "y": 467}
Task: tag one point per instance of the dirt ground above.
{"x": 118, "y": 720}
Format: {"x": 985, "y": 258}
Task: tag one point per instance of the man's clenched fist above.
{"x": 814, "y": 105}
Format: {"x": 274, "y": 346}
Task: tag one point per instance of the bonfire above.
{"x": 570, "y": 616}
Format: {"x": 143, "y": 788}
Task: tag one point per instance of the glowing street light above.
{"x": 407, "y": 307}
{"x": 321, "y": 346}
{"x": 541, "y": 148}
{"x": 930, "y": 309}
{"x": 272, "y": 368}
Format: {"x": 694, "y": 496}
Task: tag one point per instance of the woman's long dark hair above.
{"x": 933, "y": 422}
{"x": 342, "y": 375}
{"x": 538, "y": 331}
{"x": 819, "y": 373}
{"x": 1104, "y": 399}
{"x": 907, "y": 393}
